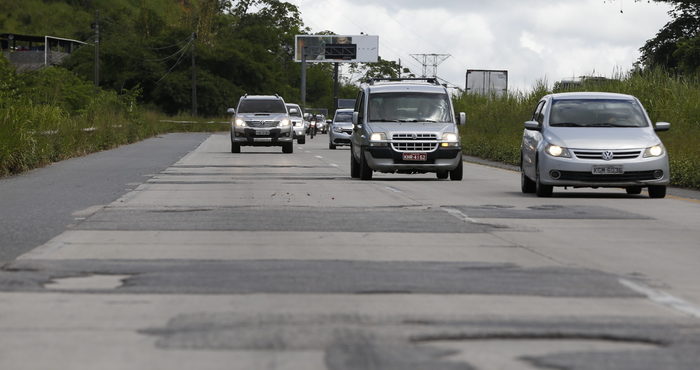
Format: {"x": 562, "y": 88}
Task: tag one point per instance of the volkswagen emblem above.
{"x": 607, "y": 155}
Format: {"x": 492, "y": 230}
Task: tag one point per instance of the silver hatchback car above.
{"x": 593, "y": 139}
{"x": 340, "y": 128}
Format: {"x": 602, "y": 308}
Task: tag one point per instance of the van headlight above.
{"x": 285, "y": 123}
{"x": 654, "y": 151}
{"x": 557, "y": 151}
{"x": 240, "y": 123}
{"x": 377, "y": 139}
{"x": 449, "y": 139}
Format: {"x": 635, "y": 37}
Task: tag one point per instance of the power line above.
{"x": 430, "y": 62}
{"x": 176, "y": 63}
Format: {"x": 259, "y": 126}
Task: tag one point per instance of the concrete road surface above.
{"x": 265, "y": 260}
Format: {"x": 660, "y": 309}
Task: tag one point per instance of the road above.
{"x": 264, "y": 260}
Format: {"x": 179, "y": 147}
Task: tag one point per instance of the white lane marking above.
{"x": 395, "y": 190}
{"x": 663, "y": 298}
{"x": 460, "y": 215}
{"x": 319, "y": 157}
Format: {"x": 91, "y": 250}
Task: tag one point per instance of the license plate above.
{"x": 262, "y": 132}
{"x": 608, "y": 170}
{"x": 415, "y": 156}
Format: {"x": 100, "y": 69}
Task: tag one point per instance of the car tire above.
{"x": 657, "y": 191}
{"x": 527, "y": 186}
{"x": 458, "y": 172}
{"x": 235, "y": 148}
{"x": 331, "y": 145}
{"x": 354, "y": 166}
{"x": 542, "y": 190}
{"x": 441, "y": 175}
{"x": 365, "y": 170}
{"x": 633, "y": 190}
{"x": 288, "y": 148}
{"x": 301, "y": 139}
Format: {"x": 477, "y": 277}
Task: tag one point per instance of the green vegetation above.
{"x": 52, "y": 114}
{"x": 495, "y": 125}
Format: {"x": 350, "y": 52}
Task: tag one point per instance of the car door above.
{"x": 531, "y": 140}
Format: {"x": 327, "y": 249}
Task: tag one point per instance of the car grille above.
{"x": 627, "y": 176}
{"x": 616, "y": 154}
{"x": 262, "y": 123}
{"x": 414, "y": 142}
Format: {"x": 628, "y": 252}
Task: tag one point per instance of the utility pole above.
{"x": 335, "y": 85}
{"x": 194, "y": 76}
{"x": 303, "y": 77}
{"x": 97, "y": 49}
{"x": 430, "y": 61}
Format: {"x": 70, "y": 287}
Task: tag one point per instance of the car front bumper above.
{"x": 385, "y": 159}
{"x": 253, "y": 137}
{"x": 579, "y": 172}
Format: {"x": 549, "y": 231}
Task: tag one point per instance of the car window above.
{"x": 262, "y": 106}
{"x": 409, "y": 107}
{"x": 343, "y": 117}
{"x": 596, "y": 113}
{"x": 297, "y": 114}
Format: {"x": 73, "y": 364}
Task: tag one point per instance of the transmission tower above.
{"x": 430, "y": 62}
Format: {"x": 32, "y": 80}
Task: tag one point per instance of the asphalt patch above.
{"x": 560, "y": 212}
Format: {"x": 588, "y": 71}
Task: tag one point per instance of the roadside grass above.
{"x": 495, "y": 124}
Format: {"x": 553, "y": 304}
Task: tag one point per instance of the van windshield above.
{"x": 409, "y": 107}
{"x": 262, "y": 106}
{"x": 596, "y": 113}
{"x": 298, "y": 112}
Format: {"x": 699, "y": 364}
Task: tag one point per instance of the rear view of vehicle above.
{"x": 593, "y": 140}
{"x": 405, "y": 126}
{"x": 296, "y": 116}
{"x": 261, "y": 120}
{"x": 341, "y": 129}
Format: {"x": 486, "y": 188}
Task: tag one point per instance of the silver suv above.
{"x": 405, "y": 126}
{"x": 297, "y": 117}
{"x": 261, "y": 120}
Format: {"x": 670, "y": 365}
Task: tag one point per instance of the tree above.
{"x": 676, "y": 47}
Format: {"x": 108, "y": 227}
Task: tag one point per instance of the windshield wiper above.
{"x": 566, "y": 124}
{"x": 383, "y": 120}
{"x": 408, "y": 120}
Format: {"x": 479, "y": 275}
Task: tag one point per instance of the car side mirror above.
{"x": 662, "y": 126}
{"x": 462, "y": 118}
{"x": 231, "y": 111}
{"x": 354, "y": 119}
{"x": 532, "y": 125}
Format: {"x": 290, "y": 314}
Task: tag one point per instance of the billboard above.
{"x": 487, "y": 82}
{"x": 337, "y": 48}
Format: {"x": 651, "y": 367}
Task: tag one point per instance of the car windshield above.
{"x": 409, "y": 107}
{"x": 298, "y": 112}
{"x": 262, "y": 106}
{"x": 343, "y": 117}
{"x": 596, "y": 113}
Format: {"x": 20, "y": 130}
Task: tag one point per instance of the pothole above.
{"x": 90, "y": 282}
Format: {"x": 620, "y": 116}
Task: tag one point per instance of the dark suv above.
{"x": 261, "y": 120}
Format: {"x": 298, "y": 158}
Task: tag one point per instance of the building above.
{"x": 28, "y": 53}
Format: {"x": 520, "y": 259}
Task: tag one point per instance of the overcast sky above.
{"x": 533, "y": 39}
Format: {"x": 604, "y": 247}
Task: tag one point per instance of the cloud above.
{"x": 538, "y": 39}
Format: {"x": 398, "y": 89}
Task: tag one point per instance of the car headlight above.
{"x": 240, "y": 123}
{"x": 377, "y": 139}
{"x": 337, "y": 128}
{"x": 285, "y": 123}
{"x": 449, "y": 139}
{"x": 654, "y": 151}
{"x": 298, "y": 124}
{"x": 557, "y": 151}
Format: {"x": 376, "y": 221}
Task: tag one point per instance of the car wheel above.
{"x": 441, "y": 175}
{"x": 331, "y": 145}
{"x": 542, "y": 190}
{"x": 657, "y": 191}
{"x": 235, "y": 148}
{"x": 456, "y": 174}
{"x": 354, "y": 166}
{"x": 301, "y": 139}
{"x": 527, "y": 186}
{"x": 288, "y": 148}
{"x": 633, "y": 190}
{"x": 365, "y": 170}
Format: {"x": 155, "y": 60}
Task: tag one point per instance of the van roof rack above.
{"x": 430, "y": 80}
